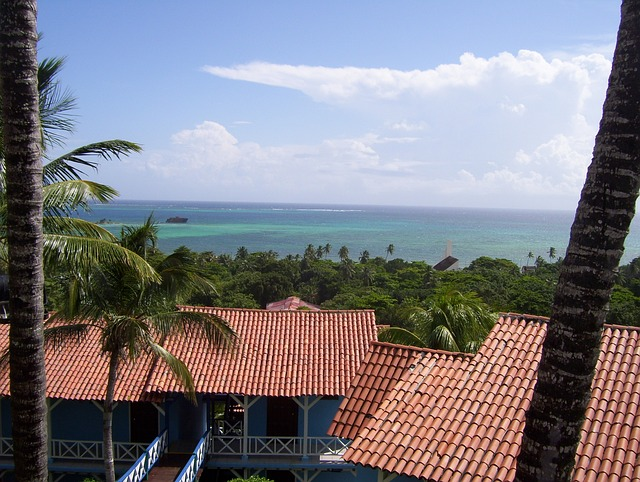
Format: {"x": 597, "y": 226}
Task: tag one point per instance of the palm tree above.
{"x": 68, "y": 241}
{"x": 364, "y": 256}
{"x": 551, "y": 253}
{"x": 141, "y": 239}
{"x": 343, "y": 253}
{"x": 588, "y": 271}
{"x": 21, "y": 153}
{"x": 64, "y": 241}
{"x": 134, "y": 316}
{"x": 530, "y": 256}
{"x": 310, "y": 253}
{"x": 327, "y": 249}
{"x": 452, "y": 321}
{"x": 390, "y": 249}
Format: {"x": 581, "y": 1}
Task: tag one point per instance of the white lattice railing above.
{"x": 147, "y": 460}
{"x": 6, "y": 447}
{"x": 291, "y": 446}
{"x": 190, "y": 471}
{"x": 83, "y": 449}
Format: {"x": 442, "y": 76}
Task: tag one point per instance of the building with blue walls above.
{"x": 263, "y": 406}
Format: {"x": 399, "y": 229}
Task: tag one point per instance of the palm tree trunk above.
{"x": 588, "y": 273}
{"x": 107, "y": 420}
{"x": 23, "y": 163}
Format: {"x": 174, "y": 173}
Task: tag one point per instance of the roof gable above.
{"x": 279, "y": 353}
{"x": 457, "y": 418}
{"x": 453, "y": 416}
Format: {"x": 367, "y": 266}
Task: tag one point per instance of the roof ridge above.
{"x": 524, "y": 317}
{"x": 546, "y": 319}
{"x": 422, "y": 349}
{"x": 262, "y": 310}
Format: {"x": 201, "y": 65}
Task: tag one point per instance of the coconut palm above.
{"x": 327, "y": 249}
{"x": 364, "y": 256}
{"x": 343, "y": 253}
{"x": 390, "y": 249}
{"x": 68, "y": 241}
{"x": 142, "y": 239}
{"x": 133, "y": 317}
{"x": 20, "y": 146}
{"x": 452, "y": 321}
{"x": 57, "y": 192}
{"x": 588, "y": 272}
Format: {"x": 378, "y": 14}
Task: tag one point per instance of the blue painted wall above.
{"x": 185, "y": 420}
{"x": 320, "y": 417}
{"x": 82, "y": 420}
{"x": 5, "y": 414}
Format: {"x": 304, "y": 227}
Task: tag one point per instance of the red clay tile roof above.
{"x": 78, "y": 370}
{"x": 456, "y": 417}
{"x": 292, "y": 303}
{"x": 279, "y": 353}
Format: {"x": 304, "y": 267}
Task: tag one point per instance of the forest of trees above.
{"x": 393, "y": 287}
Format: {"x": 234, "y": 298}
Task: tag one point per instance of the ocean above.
{"x": 417, "y": 233}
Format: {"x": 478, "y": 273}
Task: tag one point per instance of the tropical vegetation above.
{"x": 134, "y": 315}
{"x": 451, "y": 321}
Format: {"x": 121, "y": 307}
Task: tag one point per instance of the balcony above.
{"x": 78, "y": 455}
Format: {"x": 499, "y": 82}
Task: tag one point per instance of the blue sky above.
{"x": 404, "y": 102}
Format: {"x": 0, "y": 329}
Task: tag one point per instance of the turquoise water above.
{"x": 417, "y": 233}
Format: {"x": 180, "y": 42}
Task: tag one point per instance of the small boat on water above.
{"x": 177, "y": 220}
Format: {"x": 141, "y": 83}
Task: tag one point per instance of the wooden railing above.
{"x": 87, "y": 450}
{"x": 287, "y": 446}
{"x": 190, "y": 471}
{"x": 147, "y": 460}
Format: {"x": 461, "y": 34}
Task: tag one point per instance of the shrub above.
{"x": 253, "y": 478}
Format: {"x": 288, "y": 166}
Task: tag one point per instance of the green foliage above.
{"x": 451, "y": 321}
{"x": 253, "y": 478}
{"x": 624, "y": 308}
{"x": 392, "y": 288}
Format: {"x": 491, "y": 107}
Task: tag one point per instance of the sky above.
{"x": 470, "y": 103}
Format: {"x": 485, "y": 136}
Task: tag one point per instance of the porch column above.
{"x": 246, "y": 403}
{"x": 306, "y": 406}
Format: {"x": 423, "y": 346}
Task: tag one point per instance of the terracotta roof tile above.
{"x": 459, "y": 417}
{"x": 291, "y": 303}
{"x": 279, "y": 353}
{"x": 77, "y": 370}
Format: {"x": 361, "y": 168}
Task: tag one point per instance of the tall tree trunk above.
{"x": 23, "y": 163}
{"x": 604, "y": 213}
{"x": 107, "y": 420}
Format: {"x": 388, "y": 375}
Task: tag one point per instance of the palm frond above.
{"x": 82, "y": 254}
{"x": 76, "y": 227}
{"x": 64, "y": 198}
{"x": 441, "y": 338}
{"x": 57, "y": 335}
{"x": 139, "y": 238}
{"x": 55, "y": 103}
{"x": 400, "y": 336}
{"x": 215, "y": 329}
{"x": 178, "y": 368}
{"x": 69, "y": 166}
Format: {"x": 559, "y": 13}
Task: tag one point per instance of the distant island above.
{"x": 177, "y": 220}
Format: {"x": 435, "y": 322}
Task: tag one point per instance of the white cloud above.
{"x": 339, "y": 84}
{"x": 517, "y": 127}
